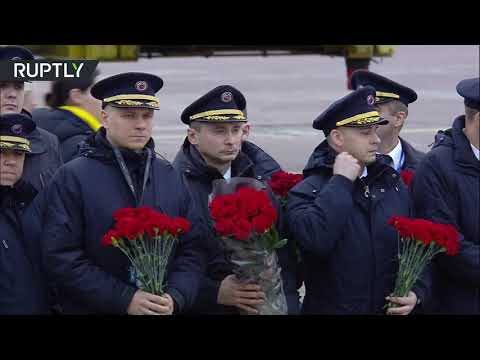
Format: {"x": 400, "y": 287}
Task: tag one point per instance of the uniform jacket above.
{"x": 199, "y": 178}
{"x": 348, "y": 249}
{"x": 446, "y": 189}
{"x": 82, "y": 197}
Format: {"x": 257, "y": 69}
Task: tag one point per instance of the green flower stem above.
{"x": 404, "y": 259}
{"x": 417, "y": 256}
{"x": 413, "y": 260}
{"x": 149, "y": 256}
{"x": 409, "y": 257}
{"x": 412, "y": 263}
{"x": 143, "y": 263}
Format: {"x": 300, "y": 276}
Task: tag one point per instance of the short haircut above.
{"x": 470, "y": 113}
{"x": 396, "y": 106}
{"x": 104, "y": 106}
{"x": 195, "y": 125}
{"x": 60, "y": 90}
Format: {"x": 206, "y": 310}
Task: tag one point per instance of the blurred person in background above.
{"x": 73, "y": 114}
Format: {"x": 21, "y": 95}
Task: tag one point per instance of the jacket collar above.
{"x": 22, "y": 191}
{"x": 323, "y": 157}
{"x": 264, "y": 164}
{"x": 462, "y": 151}
{"x": 97, "y": 146}
{"x": 190, "y": 161}
{"x": 412, "y": 155}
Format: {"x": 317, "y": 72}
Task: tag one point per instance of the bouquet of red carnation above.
{"x": 147, "y": 238}
{"x": 407, "y": 177}
{"x": 421, "y": 241}
{"x": 244, "y": 218}
{"x": 281, "y": 183}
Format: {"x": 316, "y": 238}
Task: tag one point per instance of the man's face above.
{"x": 218, "y": 143}
{"x": 385, "y": 131}
{"x": 128, "y": 128}
{"x": 11, "y": 97}
{"x": 29, "y": 102}
{"x": 476, "y": 125}
{"x": 361, "y": 143}
{"x": 11, "y": 166}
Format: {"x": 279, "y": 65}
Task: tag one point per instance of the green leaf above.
{"x": 280, "y": 244}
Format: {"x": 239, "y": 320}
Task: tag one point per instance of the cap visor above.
{"x": 133, "y": 106}
{"x": 13, "y": 147}
{"x": 380, "y": 121}
{"x": 218, "y": 121}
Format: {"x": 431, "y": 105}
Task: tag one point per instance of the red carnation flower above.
{"x": 129, "y": 227}
{"x": 179, "y": 226}
{"x": 155, "y": 224}
{"x": 223, "y": 206}
{"x": 224, "y": 227}
{"x": 281, "y": 182}
{"x": 453, "y": 244}
{"x": 144, "y": 227}
{"x": 107, "y": 238}
{"x": 430, "y": 239}
{"x": 402, "y": 224}
{"x": 145, "y": 213}
{"x": 251, "y": 203}
{"x": 244, "y": 233}
{"x": 447, "y": 237}
{"x": 422, "y": 230}
{"x": 246, "y": 210}
{"x": 407, "y": 177}
{"x": 262, "y": 223}
{"x": 242, "y": 230}
{"x": 124, "y": 212}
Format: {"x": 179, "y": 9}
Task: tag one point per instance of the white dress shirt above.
{"x": 364, "y": 173}
{"x": 396, "y": 155}
{"x": 476, "y": 151}
{"x": 228, "y": 174}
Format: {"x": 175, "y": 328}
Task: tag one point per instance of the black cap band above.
{"x": 472, "y": 104}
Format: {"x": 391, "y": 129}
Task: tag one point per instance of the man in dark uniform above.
{"x": 22, "y": 289}
{"x": 213, "y": 150}
{"x": 45, "y": 157}
{"x": 118, "y": 168}
{"x": 446, "y": 189}
{"x": 391, "y": 99}
{"x": 339, "y": 214}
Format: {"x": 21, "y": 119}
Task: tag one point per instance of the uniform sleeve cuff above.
{"x": 125, "y": 299}
{"x": 342, "y": 181}
{"x": 178, "y": 300}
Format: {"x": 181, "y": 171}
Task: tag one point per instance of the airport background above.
{"x": 285, "y": 93}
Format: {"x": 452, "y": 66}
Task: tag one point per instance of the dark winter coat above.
{"x": 446, "y": 189}
{"x": 89, "y": 277}
{"x": 348, "y": 249}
